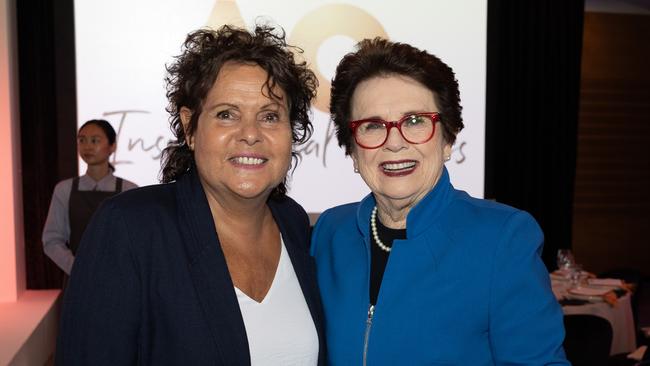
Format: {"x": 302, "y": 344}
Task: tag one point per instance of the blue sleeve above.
{"x": 101, "y": 307}
{"x": 525, "y": 322}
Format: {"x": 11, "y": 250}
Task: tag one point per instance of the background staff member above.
{"x": 75, "y": 199}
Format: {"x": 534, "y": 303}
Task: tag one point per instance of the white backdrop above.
{"x": 122, "y": 47}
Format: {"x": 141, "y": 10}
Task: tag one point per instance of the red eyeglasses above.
{"x": 416, "y": 128}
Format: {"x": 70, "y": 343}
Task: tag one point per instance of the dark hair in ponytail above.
{"x": 109, "y": 131}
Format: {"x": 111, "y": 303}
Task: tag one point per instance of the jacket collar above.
{"x": 421, "y": 216}
{"x": 209, "y": 271}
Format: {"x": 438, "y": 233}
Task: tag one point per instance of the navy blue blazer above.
{"x": 150, "y": 285}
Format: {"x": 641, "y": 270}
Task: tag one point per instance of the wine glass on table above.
{"x": 565, "y": 260}
{"x": 575, "y": 275}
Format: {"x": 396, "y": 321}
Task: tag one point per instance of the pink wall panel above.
{"x": 12, "y": 253}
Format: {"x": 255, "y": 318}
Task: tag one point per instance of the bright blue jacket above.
{"x": 467, "y": 286}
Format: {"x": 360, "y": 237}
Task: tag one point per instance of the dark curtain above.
{"x": 533, "y": 85}
{"x": 47, "y": 120}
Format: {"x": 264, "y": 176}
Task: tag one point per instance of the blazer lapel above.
{"x": 209, "y": 272}
{"x": 296, "y": 238}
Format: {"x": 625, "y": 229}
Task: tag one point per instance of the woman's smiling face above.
{"x": 242, "y": 142}
{"x": 398, "y": 171}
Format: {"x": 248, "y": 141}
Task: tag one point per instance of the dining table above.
{"x": 588, "y": 297}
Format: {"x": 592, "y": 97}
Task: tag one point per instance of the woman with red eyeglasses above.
{"x": 419, "y": 273}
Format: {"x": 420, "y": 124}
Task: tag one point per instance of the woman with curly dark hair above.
{"x": 211, "y": 267}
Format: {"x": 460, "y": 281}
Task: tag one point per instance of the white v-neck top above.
{"x": 280, "y": 329}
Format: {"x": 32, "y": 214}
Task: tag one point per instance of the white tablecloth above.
{"x": 619, "y": 316}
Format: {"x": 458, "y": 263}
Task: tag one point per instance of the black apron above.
{"x": 81, "y": 207}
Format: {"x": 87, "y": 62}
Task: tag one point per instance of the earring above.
{"x": 447, "y": 157}
{"x": 356, "y": 170}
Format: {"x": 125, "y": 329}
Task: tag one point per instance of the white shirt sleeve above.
{"x": 56, "y": 232}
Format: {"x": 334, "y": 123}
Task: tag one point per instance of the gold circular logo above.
{"x": 327, "y": 21}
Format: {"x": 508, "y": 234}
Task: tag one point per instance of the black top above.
{"x": 379, "y": 257}
{"x": 81, "y": 207}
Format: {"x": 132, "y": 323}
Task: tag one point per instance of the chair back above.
{"x": 588, "y": 339}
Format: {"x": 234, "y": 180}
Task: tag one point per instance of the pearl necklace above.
{"x": 373, "y": 226}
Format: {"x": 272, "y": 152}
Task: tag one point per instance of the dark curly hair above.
{"x": 379, "y": 57}
{"x": 193, "y": 73}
